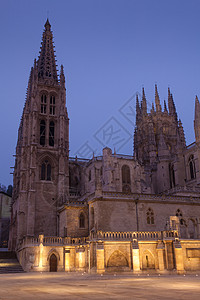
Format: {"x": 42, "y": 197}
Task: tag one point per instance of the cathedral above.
{"x": 112, "y": 212}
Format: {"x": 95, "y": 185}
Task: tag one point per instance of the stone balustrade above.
{"x": 139, "y": 235}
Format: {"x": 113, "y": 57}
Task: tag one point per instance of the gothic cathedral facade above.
{"x": 112, "y": 212}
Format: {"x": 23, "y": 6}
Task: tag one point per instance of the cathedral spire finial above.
{"x": 47, "y": 61}
{"x": 47, "y": 25}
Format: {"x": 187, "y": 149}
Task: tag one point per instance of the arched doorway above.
{"x": 148, "y": 261}
{"x": 53, "y": 263}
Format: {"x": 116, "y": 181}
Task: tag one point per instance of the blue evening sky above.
{"x": 110, "y": 49}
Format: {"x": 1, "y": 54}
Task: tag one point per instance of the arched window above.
{"x": 43, "y": 104}
{"x": 171, "y": 175}
{"x": 179, "y": 213}
{"x": 150, "y": 216}
{"x": 91, "y": 217}
{"x": 45, "y": 171}
{"x": 42, "y": 132}
{"x": 90, "y": 175}
{"x": 51, "y": 133}
{"x": 81, "y": 221}
{"x": 52, "y": 107}
{"x": 126, "y": 179}
{"x": 192, "y": 167}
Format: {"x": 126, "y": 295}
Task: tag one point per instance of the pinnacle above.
{"x": 47, "y": 25}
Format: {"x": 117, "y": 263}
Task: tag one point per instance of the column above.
{"x": 100, "y": 258}
{"x": 179, "y": 257}
{"x": 136, "y": 256}
{"x": 161, "y": 253}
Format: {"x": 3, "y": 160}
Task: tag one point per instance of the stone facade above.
{"x": 112, "y": 212}
{"x": 5, "y": 213}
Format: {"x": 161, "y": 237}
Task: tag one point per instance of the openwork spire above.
{"x": 47, "y": 61}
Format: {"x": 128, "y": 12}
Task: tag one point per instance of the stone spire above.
{"x": 157, "y": 99}
{"x": 181, "y": 133}
{"x": 144, "y": 103}
{"x": 197, "y": 120}
{"x": 171, "y": 105}
{"x": 165, "y": 107}
{"x": 138, "y": 110}
{"x": 46, "y": 61}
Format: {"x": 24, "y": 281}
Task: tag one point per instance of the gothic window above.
{"x": 51, "y": 133}
{"x": 192, "y": 167}
{"x": 45, "y": 171}
{"x": 126, "y": 179}
{"x": 91, "y": 218}
{"x": 43, "y": 104}
{"x": 150, "y": 216}
{"x": 171, "y": 175}
{"x": 179, "y": 213}
{"x": 90, "y": 176}
{"x": 52, "y": 105}
{"x": 81, "y": 221}
{"x": 42, "y": 132}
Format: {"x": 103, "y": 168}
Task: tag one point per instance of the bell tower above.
{"x": 41, "y": 174}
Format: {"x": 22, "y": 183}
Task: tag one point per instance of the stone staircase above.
{"x": 9, "y": 263}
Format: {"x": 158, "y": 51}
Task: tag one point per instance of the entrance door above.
{"x": 53, "y": 263}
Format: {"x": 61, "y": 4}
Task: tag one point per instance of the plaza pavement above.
{"x": 84, "y": 286}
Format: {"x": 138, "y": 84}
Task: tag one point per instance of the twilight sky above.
{"x": 110, "y": 49}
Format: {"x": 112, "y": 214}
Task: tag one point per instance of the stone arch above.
{"x": 148, "y": 260}
{"x": 53, "y": 263}
{"x": 53, "y": 251}
{"x": 191, "y": 229}
{"x": 183, "y": 228}
{"x": 117, "y": 259}
{"x": 47, "y": 157}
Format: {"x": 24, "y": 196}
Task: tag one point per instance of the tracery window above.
{"x": 52, "y": 106}
{"x": 126, "y": 179}
{"x": 42, "y": 132}
{"x": 46, "y": 171}
{"x": 51, "y": 133}
{"x": 171, "y": 175}
{"x": 192, "y": 167}
{"x": 90, "y": 175}
{"x": 43, "y": 104}
{"x": 150, "y": 216}
{"x": 179, "y": 213}
{"x": 81, "y": 221}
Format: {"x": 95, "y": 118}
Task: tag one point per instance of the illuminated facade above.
{"x": 110, "y": 213}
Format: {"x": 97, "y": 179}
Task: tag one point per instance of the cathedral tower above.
{"x": 158, "y": 139}
{"x": 41, "y": 176}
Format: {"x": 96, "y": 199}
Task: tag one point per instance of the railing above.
{"x": 139, "y": 235}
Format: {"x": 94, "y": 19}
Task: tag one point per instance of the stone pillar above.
{"x": 179, "y": 257}
{"x": 41, "y": 238}
{"x": 136, "y": 256}
{"x": 100, "y": 258}
{"x": 67, "y": 260}
{"x": 81, "y": 258}
{"x": 161, "y": 253}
